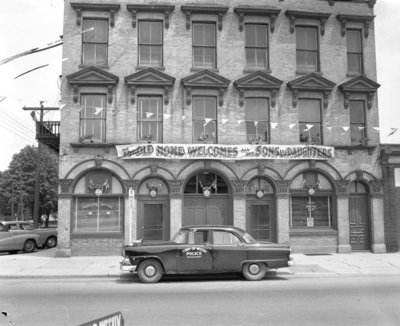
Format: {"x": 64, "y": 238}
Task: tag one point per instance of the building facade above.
{"x": 390, "y": 159}
{"x": 258, "y": 114}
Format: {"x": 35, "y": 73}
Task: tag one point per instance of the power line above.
{"x": 18, "y": 128}
{"x": 17, "y": 123}
{"x": 22, "y": 136}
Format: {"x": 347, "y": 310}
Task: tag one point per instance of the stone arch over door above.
{"x": 359, "y": 216}
{"x": 153, "y": 211}
{"x": 207, "y": 199}
{"x": 261, "y": 221}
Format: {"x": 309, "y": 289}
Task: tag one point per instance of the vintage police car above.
{"x": 204, "y": 249}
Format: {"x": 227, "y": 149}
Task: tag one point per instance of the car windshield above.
{"x": 248, "y": 238}
{"x": 180, "y": 237}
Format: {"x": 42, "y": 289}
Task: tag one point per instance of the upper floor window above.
{"x": 204, "y": 45}
{"x": 150, "y": 43}
{"x": 205, "y": 119}
{"x": 357, "y": 122}
{"x": 256, "y": 44}
{"x": 307, "y": 49}
{"x": 257, "y": 119}
{"x": 95, "y": 42}
{"x": 310, "y": 122}
{"x": 354, "y": 52}
{"x": 150, "y": 118}
{"x": 93, "y": 118}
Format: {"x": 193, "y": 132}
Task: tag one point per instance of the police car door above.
{"x": 195, "y": 255}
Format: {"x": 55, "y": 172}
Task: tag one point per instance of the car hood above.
{"x": 140, "y": 243}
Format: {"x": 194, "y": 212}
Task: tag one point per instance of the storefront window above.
{"x": 98, "y": 204}
{"x": 311, "y": 202}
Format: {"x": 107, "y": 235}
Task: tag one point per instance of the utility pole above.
{"x": 36, "y": 204}
{"x": 12, "y": 201}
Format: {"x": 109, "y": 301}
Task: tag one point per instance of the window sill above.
{"x": 105, "y": 146}
{"x": 101, "y": 235}
{"x": 354, "y": 74}
{"x": 249, "y": 70}
{"x": 351, "y": 148}
{"x": 305, "y": 72}
{"x": 313, "y": 232}
{"x": 196, "y": 69}
{"x": 106, "y": 67}
{"x": 154, "y": 67}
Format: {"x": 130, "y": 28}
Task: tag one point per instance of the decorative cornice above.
{"x": 283, "y": 186}
{"x": 366, "y": 20}
{"x": 371, "y": 3}
{"x": 220, "y": 11}
{"x": 150, "y": 77}
{"x": 270, "y": 12}
{"x": 342, "y": 186}
{"x": 295, "y": 14}
{"x": 239, "y": 186}
{"x": 165, "y": 9}
{"x": 258, "y": 80}
{"x": 311, "y": 82}
{"x": 65, "y": 185}
{"x": 130, "y": 184}
{"x": 92, "y": 76}
{"x": 175, "y": 186}
{"x": 359, "y": 84}
{"x": 205, "y": 79}
{"x": 376, "y": 186}
{"x": 79, "y": 7}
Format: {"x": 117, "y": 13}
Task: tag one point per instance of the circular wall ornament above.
{"x": 98, "y": 192}
{"x": 153, "y": 193}
{"x": 311, "y": 191}
{"x": 260, "y": 193}
{"x": 206, "y": 193}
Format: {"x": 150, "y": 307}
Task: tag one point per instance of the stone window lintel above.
{"x": 165, "y": 9}
{"x": 243, "y": 11}
{"x": 79, "y": 7}
{"x": 220, "y": 11}
{"x": 295, "y": 14}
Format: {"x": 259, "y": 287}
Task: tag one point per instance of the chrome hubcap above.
{"x": 254, "y": 269}
{"x": 150, "y": 271}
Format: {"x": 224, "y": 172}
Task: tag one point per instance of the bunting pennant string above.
{"x": 149, "y": 114}
{"x": 393, "y": 131}
{"x": 273, "y": 125}
{"x": 183, "y": 117}
{"x": 207, "y": 121}
{"x": 97, "y": 110}
{"x": 308, "y": 127}
{"x": 240, "y": 121}
{"x": 27, "y": 72}
{"x": 224, "y": 121}
{"x": 292, "y": 125}
{"x": 345, "y": 128}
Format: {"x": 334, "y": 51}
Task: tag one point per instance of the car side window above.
{"x": 26, "y": 227}
{"x": 12, "y": 227}
{"x": 3, "y": 228}
{"x": 198, "y": 237}
{"x": 225, "y": 238}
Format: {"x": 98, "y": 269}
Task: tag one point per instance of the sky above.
{"x": 28, "y": 24}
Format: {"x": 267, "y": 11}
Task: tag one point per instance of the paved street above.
{"x": 278, "y": 300}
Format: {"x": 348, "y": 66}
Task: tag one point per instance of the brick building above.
{"x": 258, "y": 114}
{"x": 390, "y": 158}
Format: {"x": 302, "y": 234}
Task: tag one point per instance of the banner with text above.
{"x": 224, "y": 152}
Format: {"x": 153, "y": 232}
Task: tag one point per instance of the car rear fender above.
{"x": 263, "y": 261}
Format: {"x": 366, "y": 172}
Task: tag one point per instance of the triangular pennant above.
{"x": 376, "y": 128}
{"x": 62, "y": 106}
{"x": 240, "y": 121}
{"x": 291, "y": 126}
{"x": 255, "y": 123}
{"x": 183, "y": 117}
{"x": 97, "y": 110}
{"x": 308, "y": 127}
{"x": 345, "y": 128}
{"x": 167, "y": 115}
{"x": 207, "y": 121}
{"x": 361, "y": 128}
{"x": 224, "y": 121}
{"x": 329, "y": 128}
{"x": 149, "y": 114}
{"x": 273, "y": 125}
{"x": 393, "y": 131}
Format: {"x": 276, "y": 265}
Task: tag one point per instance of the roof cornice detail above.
{"x": 366, "y": 20}
{"x": 80, "y": 6}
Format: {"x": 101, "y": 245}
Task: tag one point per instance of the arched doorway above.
{"x": 207, "y": 200}
{"x": 261, "y": 214}
{"x": 153, "y": 210}
{"x": 359, "y": 217}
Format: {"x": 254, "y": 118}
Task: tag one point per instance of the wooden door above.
{"x": 153, "y": 223}
{"x": 260, "y": 220}
{"x": 359, "y": 223}
{"x": 206, "y": 211}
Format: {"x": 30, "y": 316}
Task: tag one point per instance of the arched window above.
{"x": 206, "y": 181}
{"x": 311, "y": 202}
{"x": 98, "y": 204}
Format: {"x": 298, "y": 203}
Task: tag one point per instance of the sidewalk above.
{"x": 44, "y": 264}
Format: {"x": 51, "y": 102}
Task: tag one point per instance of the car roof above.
{"x": 214, "y": 227}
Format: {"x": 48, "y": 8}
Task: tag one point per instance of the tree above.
{"x": 17, "y": 184}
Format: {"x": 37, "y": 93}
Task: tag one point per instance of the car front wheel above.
{"x": 150, "y": 271}
{"x": 51, "y": 242}
{"x": 253, "y": 271}
{"x": 29, "y": 246}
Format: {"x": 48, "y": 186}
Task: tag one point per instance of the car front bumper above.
{"x": 126, "y": 266}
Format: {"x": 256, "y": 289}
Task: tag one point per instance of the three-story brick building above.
{"x": 258, "y": 114}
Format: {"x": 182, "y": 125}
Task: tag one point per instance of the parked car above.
{"x": 14, "y": 241}
{"x": 48, "y": 236}
{"x": 204, "y": 249}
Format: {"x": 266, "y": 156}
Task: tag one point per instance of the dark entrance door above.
{"x": 154, "y": 222}
{"x": 207, "y": 211}
{"x": 359, "y": 222}
{"x": 260, "y": 220}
